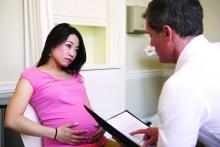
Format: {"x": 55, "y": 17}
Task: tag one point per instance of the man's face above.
{"x": 161, "y": 44}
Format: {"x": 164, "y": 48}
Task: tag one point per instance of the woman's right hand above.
{"x": 66, "y": 135}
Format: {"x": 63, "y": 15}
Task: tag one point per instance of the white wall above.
{"x": 11, "y": 40}
{"x": 105, "y": 89}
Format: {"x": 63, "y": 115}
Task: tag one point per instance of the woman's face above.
{"x": 64, "y": 54}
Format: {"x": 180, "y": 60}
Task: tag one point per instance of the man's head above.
{"x": 166, "y": 19}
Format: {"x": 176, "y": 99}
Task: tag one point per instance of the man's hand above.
{"x": 150, "y": 137}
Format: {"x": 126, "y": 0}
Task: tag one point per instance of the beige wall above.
{"x": 135, "y": 43}
{"x": 142, "y": 95}
{"x": 211, "y": 19}
{"x": 142, "y": 92}
{"x": 11, "y": 40}
{"x": 142, "y": 85}
{"x": 135, "y": 56}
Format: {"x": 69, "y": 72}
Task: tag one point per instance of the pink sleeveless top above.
{"x": 60, "y": 101}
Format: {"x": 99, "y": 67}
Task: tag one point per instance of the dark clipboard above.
{"x": 110, "y": 129}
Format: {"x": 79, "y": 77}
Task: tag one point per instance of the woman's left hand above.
{"x": 98, "y": 135}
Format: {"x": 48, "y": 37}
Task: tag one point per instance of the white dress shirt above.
{"x": 189, "y": 103}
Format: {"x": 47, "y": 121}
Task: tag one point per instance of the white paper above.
{"x": 126, "y": 123}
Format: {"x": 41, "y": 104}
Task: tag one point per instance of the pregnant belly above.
{"x": 85, "y": 123}
{"x": 84, "y": 120}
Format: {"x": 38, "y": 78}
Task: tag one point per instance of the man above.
{"x": 189, "y": 104}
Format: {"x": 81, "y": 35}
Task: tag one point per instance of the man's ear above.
{"x": 167, "y": 32}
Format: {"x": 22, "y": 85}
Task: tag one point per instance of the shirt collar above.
{"x": 195, "y": 46}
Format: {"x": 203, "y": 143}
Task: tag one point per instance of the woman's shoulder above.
{"x": 79, "y": 78}
{"x": 29, "y": 71}
{"x": 31, "y": 74}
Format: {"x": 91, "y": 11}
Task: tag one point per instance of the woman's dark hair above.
{"x": 58, "y": 35}
{"x": 184, "y": 16}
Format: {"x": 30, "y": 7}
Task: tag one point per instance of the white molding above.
{"x": 80, "y": 21}
{"x": 100, "y": 67}
{"x": 7, "y": 87}
{"x": 167, "y": 72}
{"x": 148, "y": 74}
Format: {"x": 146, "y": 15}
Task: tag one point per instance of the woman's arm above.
{"x": 14, "y": 118}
